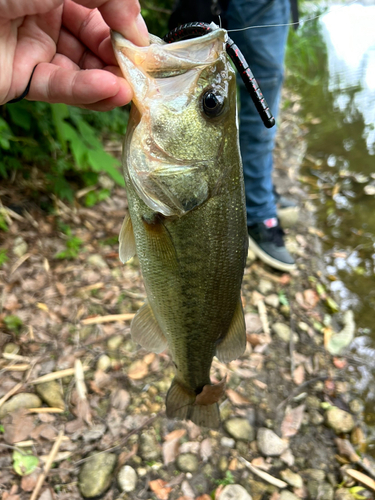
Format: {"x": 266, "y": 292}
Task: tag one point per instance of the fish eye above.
{"x": 212, "y": 104}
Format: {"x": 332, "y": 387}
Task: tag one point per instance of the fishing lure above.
{"x": 193, "y": 30}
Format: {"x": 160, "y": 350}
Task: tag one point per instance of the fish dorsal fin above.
{"x": 126, "y": 239}
{"x": 234, "y": 342}
{"x": 145, "y": 330}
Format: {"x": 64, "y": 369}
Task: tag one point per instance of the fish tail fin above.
{"x": 180, "y": 404}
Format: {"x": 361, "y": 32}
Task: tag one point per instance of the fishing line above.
{"x": 295, "y": 23}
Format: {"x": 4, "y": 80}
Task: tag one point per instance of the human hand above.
{"x": 69, "y": 41}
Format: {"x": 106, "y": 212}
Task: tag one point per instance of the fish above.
{"x": 187, "y": 216}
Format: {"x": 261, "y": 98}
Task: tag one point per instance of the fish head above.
{"x": 183, "y": 131}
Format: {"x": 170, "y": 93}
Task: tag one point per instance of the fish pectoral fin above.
{"x": 160, "y": 242}
{"x": 181, "y": 404}
{"x": 145, "y": 330}
{"x": 126, "y": 240}
{"x": 234, "y": 342}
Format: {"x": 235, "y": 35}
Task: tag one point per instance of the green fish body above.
{"x": 187, "y": 221}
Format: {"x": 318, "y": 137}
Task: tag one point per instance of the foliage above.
{"x": 13, "y": 323}
{"x": 63, "y": 142}
{"x": 73, "y": 244}
{"x": 228, "y": 479}
{"x": 3, "y": 256}
{"x": 24, "y": 463}
{"x": 156, "y": 15}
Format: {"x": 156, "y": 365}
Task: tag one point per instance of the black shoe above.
{"x": 266, "y": 240}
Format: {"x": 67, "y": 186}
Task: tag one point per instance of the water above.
{"x": 335, "y": 75}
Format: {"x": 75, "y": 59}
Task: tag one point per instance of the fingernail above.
{"x": 142, "y": 30}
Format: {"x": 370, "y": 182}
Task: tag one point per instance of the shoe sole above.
{"x": 267, "y": 259}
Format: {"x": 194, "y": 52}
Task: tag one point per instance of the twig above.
{"x": 263, "y": 316}
{"x": 264, "y": 475}
{"x": 56, "y": 375}
{"x": 16, "y": 368}
{"x": 107, "y": 319}
{"x": 47, "y": 466}
{"x": 299, "y": 389}
{"x": 15, "y": 357}
{"x": 88, "y": 288}
{"x": 13, "y": 448}
{"x": 45, "y": 410}
{"x": 19, "y": 262}
{"x": 123, "y": 441}
{"x": 10, "y": 393}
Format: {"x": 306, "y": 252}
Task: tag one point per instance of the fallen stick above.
{"x": 47, "y": 466}
{"x": 263, "y": 316}
{"x": 16, "y": 368}
{"x": 107, "y": 319}
{"x": 264, "y": 475}
{"x": 45, "y": 410}
{"x": 56, "y": 375}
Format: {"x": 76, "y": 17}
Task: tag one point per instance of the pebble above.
{"x": 239, "y": 429}
{"x": 234, "y": 492}
{"x": 316, "y": 474}
{"x": 292, "y": 478}
{"x": 339, "y": 420}
{"x": 149, "y": 447}
{"x": 303, "y": 326}
{"x": 269, "y": 443}
{"x": 282, "y": 331}
{"x": 272, "y": 300}
{"x": 96, "y": 474}
{"x": 321, "y": 490}
{"x": 343, "y": 494}
{"x": 21, "y": 400}
{"x": 253, "y": 323}
{"x": 227, "y": 442}
{"x": 312, "y": 403}
{"x": 287, "y": 495}
{"x": 51, "y": 393}
{"x": 187, "y": 462}
{"x": 97, "y": 260}
{"x": 316, "y": 418}
{"x": 265, "y": 286}
{"x": 104, "y": 363}
{"x": 114, "y": 342}
{"x": 127, "y": 478}
{"x": 20, "y": 246}
{"x": 356, "y": 406}
{"x": 11, "y": 348}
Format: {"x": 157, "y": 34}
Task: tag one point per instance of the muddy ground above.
{"x": 292, "y": 426}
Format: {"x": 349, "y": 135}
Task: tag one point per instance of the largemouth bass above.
{"x": 187, "y": 221}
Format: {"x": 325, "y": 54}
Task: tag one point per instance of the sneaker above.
{"x": 266, "y": 240}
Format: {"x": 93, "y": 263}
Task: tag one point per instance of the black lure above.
{"x": 193, "y": 30}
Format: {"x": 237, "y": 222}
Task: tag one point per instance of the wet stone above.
{"x": 239, "y": 429}
{"x": 187, "y": 462}
{"x": 269, "y": 443}
{"x": 339, "y": 420}
{"x": 96, "y": 474}
{"x": 292, "y": 478}
{"x": 227, "y": 442}
{"x": 51, "y": 393}
{"x": 234, "y": 492}
{"x": 149, "y": 447}
{"x": 127, "y": 478}
{"x": 282, "y": 331}
{"x": 20, "y": 401}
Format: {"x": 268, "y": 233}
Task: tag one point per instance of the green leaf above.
{"x": 331, "y": 304}
{"x": 3, "y": 256}
{"x": 102, "y": 161}
{"x": 24, "y": 464}
{"x": 13, "y": 323}
{"x": 20, "y": 115}
{"x": 59, "y": 113}
{"x": 2, "y": 430}
{"x": 89, "y": 134}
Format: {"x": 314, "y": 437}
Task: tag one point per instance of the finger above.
{"x": 14, "y": 10}
{"x": 90, "y": 29}
{"x": 122, "y": 16}
{"x": 69, "y": 46}
{"x": 52, "y": 83}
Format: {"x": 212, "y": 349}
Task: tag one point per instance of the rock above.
{"x": 287, "y": 495}
{"x": 356, "y": 406}
{"x": 253, "y": 323}
{"x": 223, "y": 463}
{"x": 269, "y": 443}
{"x": 282, "y": 331}
{"x": 339, "y": 420}
{"x": 149, "y": 447}
{"x": 265, "y": 286}
{"x": 234, "y": 492}
{"x": 323, "y": 491}
{"x": 11, "y": 348}
{"x": 127, "y": 478}
{"x": 95, "y": 433}
{"x": 316, "y": 418}
{"x": 20, "y": 246}
{"x": 239, "y": 428}
{"x": 21, "y": 400}
{"x": 292, "y": 478}
{"x": 312, "y": 403}
{"x": 96, "y": 474}
{"x": 114, "y": 342}
{"x": 316, "y": 474}
{"x": 51, "y": 393}
{"x": 227, "y": 442}
{"x": 343, "y": 494}
{"x": 97, "y": 260}
{"x": 187, "y": 462}
{"x": 104, "y": 363}
{"x": 272, "y": 300}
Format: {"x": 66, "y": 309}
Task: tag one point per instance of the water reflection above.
{"x": 350, "y": 38}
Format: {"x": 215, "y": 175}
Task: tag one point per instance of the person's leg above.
{"x": 264, "y": 50}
